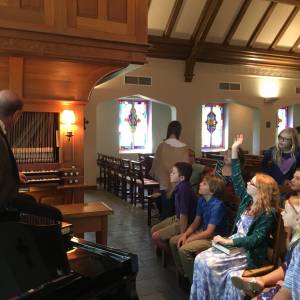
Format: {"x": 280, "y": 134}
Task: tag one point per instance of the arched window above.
{"x": 282, "y": 118}
{"x": 213, "y": 126}
{"x": 134, "y": 126}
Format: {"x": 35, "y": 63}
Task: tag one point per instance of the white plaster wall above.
{"x": 168, "y": 86}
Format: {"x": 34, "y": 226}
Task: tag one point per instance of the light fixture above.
{"x": 269, "y": 88}
{"x": 68, "y": 121}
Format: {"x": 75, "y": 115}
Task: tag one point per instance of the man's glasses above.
{"x": 293, "y": 207}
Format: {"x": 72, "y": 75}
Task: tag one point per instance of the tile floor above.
{"x": 128, "y": 230}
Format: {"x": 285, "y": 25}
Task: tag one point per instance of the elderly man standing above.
{"x": 10, "y": 109}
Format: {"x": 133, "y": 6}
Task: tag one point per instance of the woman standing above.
{"x": 169, "y": 152}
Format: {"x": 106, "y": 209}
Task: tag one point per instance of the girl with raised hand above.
{"x": 272, "y": 282}
{"x": 254, "y": 221}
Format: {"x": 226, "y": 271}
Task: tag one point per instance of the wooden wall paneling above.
{"x": 16, "y": 17}
{"x": 32, "y": 4}
{"x": 4, "y": 72}
{"x": 11, "y": 3}
{"x": 16, "y": 75}
{"x": 49, "y": 13}
{"x": 102, "y": 6}
{"x": 117, "y": 20}
{"x": 50, "y": 79}
{"x": 88, "y": 9}
{"x": 141, "y": 21}
{"x": 60, "y": 19}
{"x": 71, "y": 14}
{"x": 117, "y": 11}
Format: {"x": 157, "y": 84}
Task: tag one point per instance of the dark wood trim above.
{"x": 214, "y": 53}
{"x": 207, "y": 17}
{"x": 285, "y": 26}
{"x": 171, "y": 48}
{"x": 217, "y": 53}
{"x": 261, "y": 24}
{"x": 296, "y": 45}
{"x": 198, "y": 28}
{"x": 173, "y": 17}
{"x": 292, "y": 2}
{"x": 237, "y": 22}
{"x": 189, "y": 70}
{"x": 27, "y": 43}
{"x": 149, "y": 3}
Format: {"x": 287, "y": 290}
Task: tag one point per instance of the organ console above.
{"x": 37, "y": 145}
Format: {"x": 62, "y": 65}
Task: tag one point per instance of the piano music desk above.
{"x": 87, "y": 217}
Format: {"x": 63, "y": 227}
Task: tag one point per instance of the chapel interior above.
{"x": 78, "y": 65}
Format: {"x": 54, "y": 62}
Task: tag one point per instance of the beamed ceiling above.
{"x": 249, "y": 32}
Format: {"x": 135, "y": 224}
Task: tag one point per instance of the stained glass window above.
{"x": 133, "y": 126}
{"x": 213, "y": 126}
{"x": 282, "y": 118}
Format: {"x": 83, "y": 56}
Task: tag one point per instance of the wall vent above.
{"x": 138, "y": 80}
{"x": 229, "y": 86}
{"x": 297, "y": 90}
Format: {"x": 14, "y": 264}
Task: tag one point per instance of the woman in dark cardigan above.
{"x": 255, "y": 219}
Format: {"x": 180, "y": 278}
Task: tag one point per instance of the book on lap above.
{"x": 227, "y": 249}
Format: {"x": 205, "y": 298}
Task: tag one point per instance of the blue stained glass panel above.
{"x": 133, "y": 125}
{"x": 213, "y": 126}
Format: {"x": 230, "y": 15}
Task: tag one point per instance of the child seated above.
{"x": 254, "y": 285}
{"x": 291, "y": 285}
{"x": 210, "y": 220}
{"x": 185, "y": 207}
{"x": 254, "y": 221}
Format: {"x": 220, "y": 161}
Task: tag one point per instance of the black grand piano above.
{"x": 39, "y": 262}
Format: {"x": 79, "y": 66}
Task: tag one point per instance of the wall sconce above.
{"x": 269, "y": 88}
{"x": 68, "y": 121}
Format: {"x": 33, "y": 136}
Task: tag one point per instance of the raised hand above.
{"x": 238, "y": 141}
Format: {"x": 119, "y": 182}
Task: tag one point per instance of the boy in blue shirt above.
{"x": 210, "y": 220}
{"x": 185, "y": 207}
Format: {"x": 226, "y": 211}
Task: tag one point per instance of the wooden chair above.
{"x": 276, "y": 250}
{"x": 101, "y": 162}
{"x": 152, "y": 208}
{"x": 141, "y": 184}
{"x": 126, "y": 179}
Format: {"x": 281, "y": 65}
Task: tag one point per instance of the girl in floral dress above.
{"x": 256, "y": 217}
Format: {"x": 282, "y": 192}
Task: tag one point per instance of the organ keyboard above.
{"x": 65, "y": 176}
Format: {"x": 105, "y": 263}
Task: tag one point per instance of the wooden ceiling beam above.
{"x": 237, "y": 22}
{"x": 291, "y": 2}
{"x": 215, "y": 53}
{"x": 261, "y": 24}
{"x": 171, "y": 48}
{"x": 173, "y": 17}
{"x": 285, "y": 26}
{"x": 295, "y": 46}
{"x": 203, "y": 26}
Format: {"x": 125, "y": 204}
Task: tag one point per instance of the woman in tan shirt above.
{"x": 169, "y": 152}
